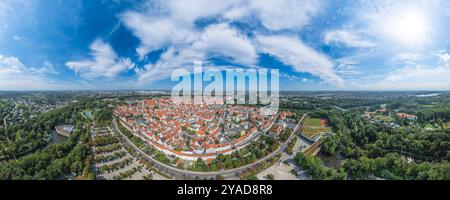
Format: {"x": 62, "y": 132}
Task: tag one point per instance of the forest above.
{"x": 54, "y": 162}
{"x": 381, "y": 151}
{"x": 29, "y": 153}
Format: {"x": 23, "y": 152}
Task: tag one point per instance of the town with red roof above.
{"x": 190, "y": 131}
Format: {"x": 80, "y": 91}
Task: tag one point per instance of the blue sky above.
{"x": 316, "y": 45}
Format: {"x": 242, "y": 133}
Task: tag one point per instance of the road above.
{"x": 185, "y": 174}
{"x": 339, "y": 108}
{"x": 4, "y": 122}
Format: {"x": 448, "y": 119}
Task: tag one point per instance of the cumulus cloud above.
{"x": 105, "y": 62}
{"x": 273, "y": 14}
{"x": 215, "y": 39}
{"x": 10, "y": 66}
{"x": 171, "y": 26}
{"x": 190, "y": 11}
{"x": 416, "y": 78}
{"x": 289, "y": 14}
{"x": 347, "y": 67}
{"x": 346, "y": 38}
{"x": 444, "y": 58}
{"x": 170, "y": 60}
{"x": 293, "y": 52}
{"x": 400, "y": 24}
{"x": 293, "y": 77}
{"x": 171, "y": 23}
{"x": 224, "y": 40}
{"x": 14, "y": 75}
{"x": 47, "y": 68}
{"x": 407, "y": 57}
{"x": 155, "y": 33}
{"x": 17, "y": 38}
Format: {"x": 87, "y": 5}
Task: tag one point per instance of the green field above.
{"x": 313, "y": 127}
{"x": 312, "y": 122}
{"x": 429, "y": 126}
{"x": 384, "y": 118}
{"x": 312, "y": 131}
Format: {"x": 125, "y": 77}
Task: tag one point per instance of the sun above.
{"x": 408, "y": 27}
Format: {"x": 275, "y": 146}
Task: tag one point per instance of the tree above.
{"x": 330, "y": 145}
{"x": 270, "y": 177}
{"x": 90, "y": 176}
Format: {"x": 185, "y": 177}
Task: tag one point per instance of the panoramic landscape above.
{"x": 141, "y": 135}
{"x": 224, "y": 90}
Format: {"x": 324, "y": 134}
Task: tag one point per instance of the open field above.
{"x": 315, "y": 126}
{"x": 313, "y": 122}
{"x": 383, "y": 118}
{"x": 312, "y": 131}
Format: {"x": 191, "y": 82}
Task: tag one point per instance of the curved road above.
{"x": 186, "y": 174}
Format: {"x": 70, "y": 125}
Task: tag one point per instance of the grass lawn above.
{"x": 313, "y": 122}
{"x": 312, "y": 131}
{"x": 313, "y": 127}
{"x": 384, "y": 118}
{"x": 429, "y": 126}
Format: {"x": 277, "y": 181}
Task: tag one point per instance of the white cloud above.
{"x": 402, "y": 24}
{"x": 227, "y": 42}
{"x": 346, "y": 38}
{"x": 407, "y": 56}
{"x": 237, "y": 12}
{"x": 155, "y": 32}
{"x": 347, "y": 67}
{"x": 10, "y": 66}
{"x": 170, "y": 25}
{"x": 5, "y": 8}
{"x": 288, "y": 14}
{"x": 174, "y": 25}
{"x": 414, "y": 78}
{"x": 216, "y": 39}
{"x": 293, "y": 77}
{"x": 14, "y": 75}
{"x": 46, "y": 69}
{"x": 17, "y": 38}
{"x": 170, "y": 60}
{"x": 444, "y": 58}
{"x": 275, "y": 14}
{"x": 289, "y": 76}
{"x": 105, "y": 62}
{"x": 190, "y": 11}
{"x": 31, "y": 82}
{"x": 292, "y": 51}
{"x": 171, "y": 22}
